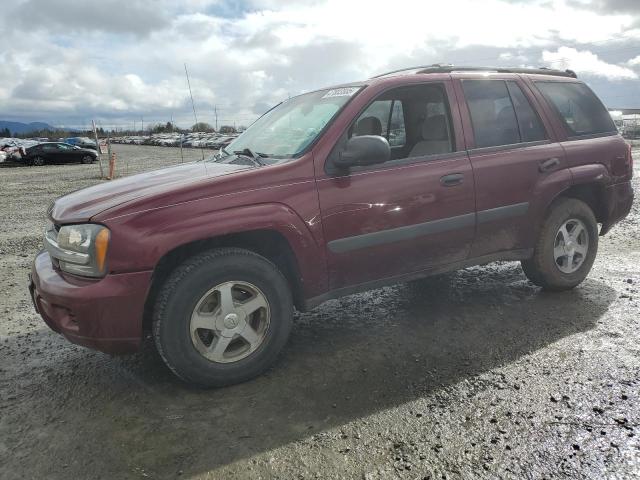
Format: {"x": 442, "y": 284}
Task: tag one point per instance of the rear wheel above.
{"x": 566, "y": 246}
{"x": 37, "y": 161}
{"x": 222, "y": 317}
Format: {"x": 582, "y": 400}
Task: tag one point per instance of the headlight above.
{"x": 79, "y": 249}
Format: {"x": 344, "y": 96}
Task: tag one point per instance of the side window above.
{"x": 579, "y": 108}
{"x": 49, "y": 148}
{"x": 531, "y": 128}
{"x": 415, "y": 120}
{"x": 492, "y": 113}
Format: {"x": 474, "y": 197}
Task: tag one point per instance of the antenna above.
{"x": 193, "y": 105}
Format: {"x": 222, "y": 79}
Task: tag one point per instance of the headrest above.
{"x": 368, "y": 126}
{"x": 434, "y": 128}
{"x": 506, "y": 115}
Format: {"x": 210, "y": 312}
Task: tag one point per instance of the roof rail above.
{"x": 440, "y": 68}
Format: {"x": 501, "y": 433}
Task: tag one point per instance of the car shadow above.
{"x": 346, "y": 360}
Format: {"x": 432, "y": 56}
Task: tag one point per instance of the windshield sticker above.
{"x": 341, "y": 92}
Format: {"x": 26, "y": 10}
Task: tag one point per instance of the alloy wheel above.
{"x": 230, "y": 322}
{"x": 571, "y": 245}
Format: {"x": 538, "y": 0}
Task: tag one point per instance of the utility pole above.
{"x": 215, "y": 111}
{"x": 193, "y": 105}
{"x": 142, "y": 118}
{"x": 95, "y": 134}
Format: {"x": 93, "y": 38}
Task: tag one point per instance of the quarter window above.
{"x": 582, "y": 112}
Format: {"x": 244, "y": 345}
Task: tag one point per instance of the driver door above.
{"x": 412, "y": 213}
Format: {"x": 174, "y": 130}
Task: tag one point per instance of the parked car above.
{"x": 56, "y": 152}
{"x": 82, "y": 142}
{"x": 222, "y": 142}
{"x": 314, "y": 202}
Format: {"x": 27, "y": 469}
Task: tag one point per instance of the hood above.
{"x": 83, "y": 204}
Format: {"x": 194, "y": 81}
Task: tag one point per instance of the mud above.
{"x": 477, "y": 374}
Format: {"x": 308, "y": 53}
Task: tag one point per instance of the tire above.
{"x": 564, "y": 272}
{"x": 198, "y": 283}
{"x": 87, "y": 159}
{"x": 37, "y": 161}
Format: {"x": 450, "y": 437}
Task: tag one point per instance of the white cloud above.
{"x": 244, "y": 62}
{"x": 634, "y": 62}
{"x": 586, "y": 62}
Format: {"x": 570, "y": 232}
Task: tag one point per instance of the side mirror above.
{"x": 363, "y": 150}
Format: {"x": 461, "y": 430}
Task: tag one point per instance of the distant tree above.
{"x": 163, "y": 128}
{"x": 5, "y": 132}
{"x": 202, "y": 127}
{"x": 227, "y": 129}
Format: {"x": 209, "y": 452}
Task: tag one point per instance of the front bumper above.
{"x": 104, "y": 314}
{"x": 619, "y": 199}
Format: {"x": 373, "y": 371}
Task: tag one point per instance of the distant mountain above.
{"x": 19, "y": 127}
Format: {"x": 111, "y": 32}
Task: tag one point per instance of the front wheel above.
{"x": 222, "y": 317}
{"x": 87, "y": 159}
{"x": 37, "y": 161}
{"x": 566, "y": 247}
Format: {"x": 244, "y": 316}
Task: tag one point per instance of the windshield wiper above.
{"x": 256, "y": 157}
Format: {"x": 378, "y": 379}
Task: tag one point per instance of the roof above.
{"x": 439, "y": 68}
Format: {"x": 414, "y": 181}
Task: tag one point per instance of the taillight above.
{"x": 622, "y": 165}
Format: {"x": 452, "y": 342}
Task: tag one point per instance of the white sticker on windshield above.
{"x": 341, "y": 92}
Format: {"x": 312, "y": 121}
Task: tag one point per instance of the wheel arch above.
{"x": 268, "y": 243}
{"x": 593, "y": 194}
{"x": 586, "y": 183}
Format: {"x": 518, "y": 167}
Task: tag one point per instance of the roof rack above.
{"x": 440, "y": 68}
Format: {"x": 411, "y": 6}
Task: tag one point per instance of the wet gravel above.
{"x": 476, "y": 374}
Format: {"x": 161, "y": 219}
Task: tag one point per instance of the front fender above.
{"x": 140, "y": 240}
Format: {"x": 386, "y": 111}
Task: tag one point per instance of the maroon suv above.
{"x": 329, "y": 193}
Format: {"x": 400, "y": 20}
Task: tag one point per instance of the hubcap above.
{"x": 230, "y": 322}
{"x": 571, "y": 245}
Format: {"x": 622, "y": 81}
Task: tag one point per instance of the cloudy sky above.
{"x": 118, "y": 61}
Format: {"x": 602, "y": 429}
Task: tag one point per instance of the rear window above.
{"x": 582, "y": 112}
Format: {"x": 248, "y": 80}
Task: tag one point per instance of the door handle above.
{"x": 452, "y": 179}
{"x": 548, "y": 164}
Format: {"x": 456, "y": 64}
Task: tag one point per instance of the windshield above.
{"x": 289, "y": 128}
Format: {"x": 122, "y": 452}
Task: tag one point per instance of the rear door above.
{"x": 513, "y": 152}
{"x": 413, "y": 212}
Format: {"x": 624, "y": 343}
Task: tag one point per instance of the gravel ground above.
{"x": 477, "y": 374}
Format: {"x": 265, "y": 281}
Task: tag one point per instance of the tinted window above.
{"x": 415, "y": 120}
{"x": 492, "y": 114}
{"x": 582, "y": 112}
{"x": 531, "y": 129}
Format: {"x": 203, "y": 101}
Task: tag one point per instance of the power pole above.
{"x": 215, "y": 111}
{"x": 95, "y": 134}
{"x": 142, "y": 118}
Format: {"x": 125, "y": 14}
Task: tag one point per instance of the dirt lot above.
{"x": 473, "y": 375}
